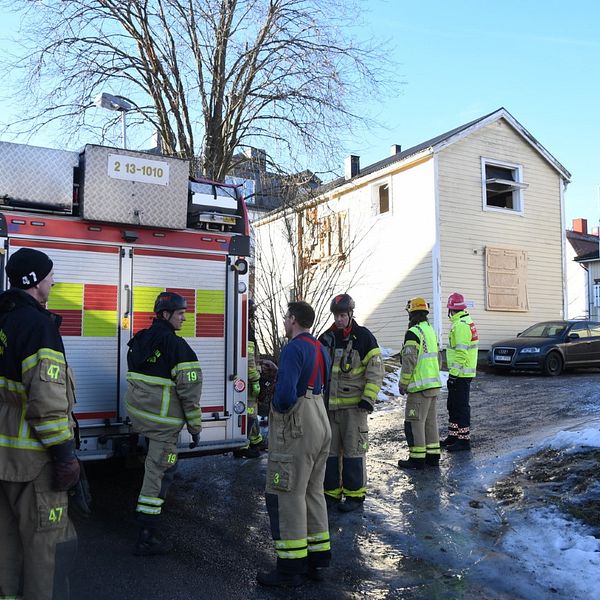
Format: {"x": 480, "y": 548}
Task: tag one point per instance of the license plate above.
{"x": 502, "y": 358}
{"x": 230, "y": 220}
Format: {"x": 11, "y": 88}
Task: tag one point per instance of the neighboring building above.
{"x": 478, "y": 210}
{"x": 582, "y": 253}
{"x": 264, "y": 188}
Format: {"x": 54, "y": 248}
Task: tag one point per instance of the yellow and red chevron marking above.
{"x": 86, "y": 309}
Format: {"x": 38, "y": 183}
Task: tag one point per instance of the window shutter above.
{"x": 506, "y": 279}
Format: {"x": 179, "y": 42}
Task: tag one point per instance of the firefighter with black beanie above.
{"x": 164, "y": 383}
{"x": 37, "y": 447}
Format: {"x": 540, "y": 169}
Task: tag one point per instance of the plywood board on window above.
{"x": 506, "y": 279}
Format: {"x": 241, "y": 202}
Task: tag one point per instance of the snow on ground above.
{"x": 559, "y": 552}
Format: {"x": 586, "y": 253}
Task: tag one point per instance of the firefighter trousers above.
{"x": 159, "y": 471}
{"x": 459, "y": 409}
{"x": 346, "y": 472}
{"x": 420, "y": 424}
{"x": 38, "y": 541}
{"x": 298, "y": 447}
{"x": 254, "y": 434}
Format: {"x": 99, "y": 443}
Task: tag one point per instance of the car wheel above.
{"x": 553, "y": 364}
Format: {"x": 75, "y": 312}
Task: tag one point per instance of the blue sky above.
{"x": 461, "y": 59}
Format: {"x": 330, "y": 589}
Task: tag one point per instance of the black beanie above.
{"x": 27, "y": 267}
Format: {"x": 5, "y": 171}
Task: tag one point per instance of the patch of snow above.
{"x": 559, "y": 553}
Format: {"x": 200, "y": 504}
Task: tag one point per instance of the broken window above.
{"x": 502, "y": 185}
{"x": 380, "y": 199}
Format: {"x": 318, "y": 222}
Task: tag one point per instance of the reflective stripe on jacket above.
{"x": 463, "y": 344}
{"x": 357, "y": 367}
{"x": 426, "y": 372}
{"x": 164, "y": 383}
{"x": 36, "y": 387}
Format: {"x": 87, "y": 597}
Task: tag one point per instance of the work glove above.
{"x": 195, "y": 440}
{"x": 255, "y": 389}
{"x": 65, "y": 465}
{"x": 365, "y": 406}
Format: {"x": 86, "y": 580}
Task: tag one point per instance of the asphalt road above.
{"x": 418, "y": 537}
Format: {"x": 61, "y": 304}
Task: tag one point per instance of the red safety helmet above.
{"x": 456, "y": 301}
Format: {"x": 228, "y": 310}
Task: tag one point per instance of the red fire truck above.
{"x": 122, "y": 226}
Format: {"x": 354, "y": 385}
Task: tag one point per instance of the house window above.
{"x": 323, "y": 237}
{"x": 596, "y": 295}
{"x": 381, "y": 198}
{"x": 502, "y": 186}
{"x": 506, "y": 279}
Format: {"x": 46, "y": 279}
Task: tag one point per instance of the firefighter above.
{"x": 164, "y": 383}
{"x": 356, "y": 378}
{"x": 299, "y": 438}
{"x": 420, "y": 380}
{"x": 461, "y": 357}
{"x": 255, "y": 439}
{"x": 37, "y": 446}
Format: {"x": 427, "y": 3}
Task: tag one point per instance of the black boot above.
{"x": 351, "y": 504}
{"x": 276, "y": 578}
{"x": 248, "y": 452}
{"x": 451, "y": 439}
{"x": 459, "y": 446}
{"x": 432, "y": 460}
{"x": 331, "y": 501}
{"x": 417, "y": 464}
{"x": 150, "y": 544}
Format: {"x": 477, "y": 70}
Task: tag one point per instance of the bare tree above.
{"x": 209, "y": 76}
{"x": 303, "y": 252}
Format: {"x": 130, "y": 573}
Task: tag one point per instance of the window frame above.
{"x": 375, "y": 198}
{"x": 518, "y": 196}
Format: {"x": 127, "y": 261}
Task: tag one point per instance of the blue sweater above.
{"x": 296, "y": 365}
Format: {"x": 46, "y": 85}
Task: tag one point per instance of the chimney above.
{"x": 258, "y": 156}
{"x": 580, "y": 226}
{"x": 395, "y": 149}
{"x": 595, "y": 231}
{"x": 351, "y": 166}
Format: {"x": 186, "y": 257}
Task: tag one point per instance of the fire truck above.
{"x": 122, "y": 226}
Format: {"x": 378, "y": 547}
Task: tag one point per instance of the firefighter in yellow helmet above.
{"x": 420, "y": 381}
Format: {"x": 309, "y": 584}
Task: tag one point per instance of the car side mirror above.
{"x": 573, "y": 336}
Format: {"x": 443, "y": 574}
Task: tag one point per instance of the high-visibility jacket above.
{"x": 356, "y": 367}
{"x": 36, "y": 387}
{"x": 463, "y": 344}
{"x": 426, "y": 372}
{"x": 253, "y": 368}
{"x": 164, "y": 383}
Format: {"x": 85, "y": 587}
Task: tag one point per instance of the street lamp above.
{"x": 117, "y": 103}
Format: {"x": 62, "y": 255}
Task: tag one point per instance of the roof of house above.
{"x": 450, "y": 137}
{"x": 590, "y": 256}
{"x": 584, "y": 244}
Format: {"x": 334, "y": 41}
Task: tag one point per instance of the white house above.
{"x": 478, "y": 210}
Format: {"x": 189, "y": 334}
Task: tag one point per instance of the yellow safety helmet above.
{"x": 415, "y": 304}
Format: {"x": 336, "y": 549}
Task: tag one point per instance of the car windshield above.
{"x": 546, "y": 330}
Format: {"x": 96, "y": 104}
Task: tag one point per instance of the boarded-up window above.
{"x": 333, "y": 235}
{"x": 506, "y": 279}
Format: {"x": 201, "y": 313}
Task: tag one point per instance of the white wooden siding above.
{"x": 465, "y": 229}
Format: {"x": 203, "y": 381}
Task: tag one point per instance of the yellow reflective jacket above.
{"x": 424, "y": 372}
{"x": 463, "y": 345}
{"x": 164, "y": 383}
{"x": 36, "y": 387}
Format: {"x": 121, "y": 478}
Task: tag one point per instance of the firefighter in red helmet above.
{"x": 356, "y": 378}
{"x": 461, "y": 356}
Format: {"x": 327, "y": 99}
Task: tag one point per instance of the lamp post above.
{"x": 118, "y": 103}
